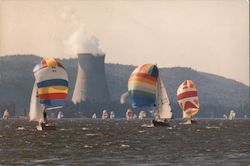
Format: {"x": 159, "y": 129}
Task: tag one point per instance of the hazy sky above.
{"x": 207, "y": 35}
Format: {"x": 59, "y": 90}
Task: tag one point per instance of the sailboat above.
{"x": 163, "y": 112}
{"x": 94, "y": 116}
{"x": 129, "y": 114}
{"x": 105, "y": 114}
{"x": 232, "y": 115}
{"x": 6, "y": 114}
{"x": 146, "y": 89}
{"x": 188, "y": 100}
{"x": 60, "y": 115}
{"x": 112, "y": 115}
{"x": 224, "y": 116}
{"x": 49, "y": 92}
{"x": 142, "y": 115}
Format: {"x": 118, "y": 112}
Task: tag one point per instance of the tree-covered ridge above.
{"x": 218, "y": 95}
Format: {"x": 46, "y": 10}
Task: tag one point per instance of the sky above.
{"x": 207, "y": 35}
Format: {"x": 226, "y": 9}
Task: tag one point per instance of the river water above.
{"x": 121, "y": 142}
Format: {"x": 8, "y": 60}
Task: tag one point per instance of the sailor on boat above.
{"x": 45, "y": 123}
{"x": 160, "y": 122}
{"x": 45, "y": 120}
{"x": 45, "y": 117}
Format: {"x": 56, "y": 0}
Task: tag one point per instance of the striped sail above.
{"x": 188, "y": 98}
{"x": 52, "y": 82}
{"x": 129, "y": 114}
{"x": 142, "y": 86}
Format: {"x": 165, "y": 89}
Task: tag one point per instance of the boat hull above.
{"x": 46, "y": 126}
{"x": 189, "y": 122}
{"x": 160, "y": 123}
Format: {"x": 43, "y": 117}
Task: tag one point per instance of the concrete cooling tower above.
{"x": 91, "y": 81}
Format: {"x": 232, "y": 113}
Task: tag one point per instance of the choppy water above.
{"x": 121, "y": 142}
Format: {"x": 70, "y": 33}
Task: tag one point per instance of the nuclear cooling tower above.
{"x": 91, "y": 82}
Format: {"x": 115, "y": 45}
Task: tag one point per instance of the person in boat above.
{"x": 45, "y": 120}
{"x": 45, "y": 117}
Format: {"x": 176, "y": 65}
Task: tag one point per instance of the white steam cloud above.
{"x": 81, "y": 42}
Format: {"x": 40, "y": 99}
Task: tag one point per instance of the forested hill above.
{"x": 218, "y": 95}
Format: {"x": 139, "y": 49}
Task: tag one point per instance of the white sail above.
{"x": 225, "y": 116}
{"x": 231, "y": 115}
{"x": 142, "y": 115}
{"x": 112, "y": 115}
{"x": 163, "y": 104}
{"x": 60, "y": 115}
{"x": 35, "y": 113}
{"x": 123, "y": 97}
{"x": 94, "y": 116}
{"x": 105, "y": 114}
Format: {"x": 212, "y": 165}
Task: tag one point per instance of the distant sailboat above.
{"x": 142, "y": 115}
{"x": 146, "y": 89}
{"x": 225, "y": 116}
{"x": 105, "y": 114}
{"x": 163, "y": 111}
{"x": 188, "y": 100}
{"x": 6, "y": 114}
{"x": 232, "y": 115}
{"x": 129, "y": 114}
{"x": 60, "y": 115}
{"x": 112, "y": 115}
{"x": 49, "y": 91}
{"x": 94, "y": 116}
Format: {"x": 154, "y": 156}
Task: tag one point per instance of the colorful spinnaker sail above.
{"x": 142, "y": 86}
{"x": 129, "y": 114}
{"x": 52, "y": 82}
{"x": 188, "y": 98}
{"x": 6, "y": 114}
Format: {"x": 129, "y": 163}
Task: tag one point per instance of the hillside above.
{"x": 218, "y": 95}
